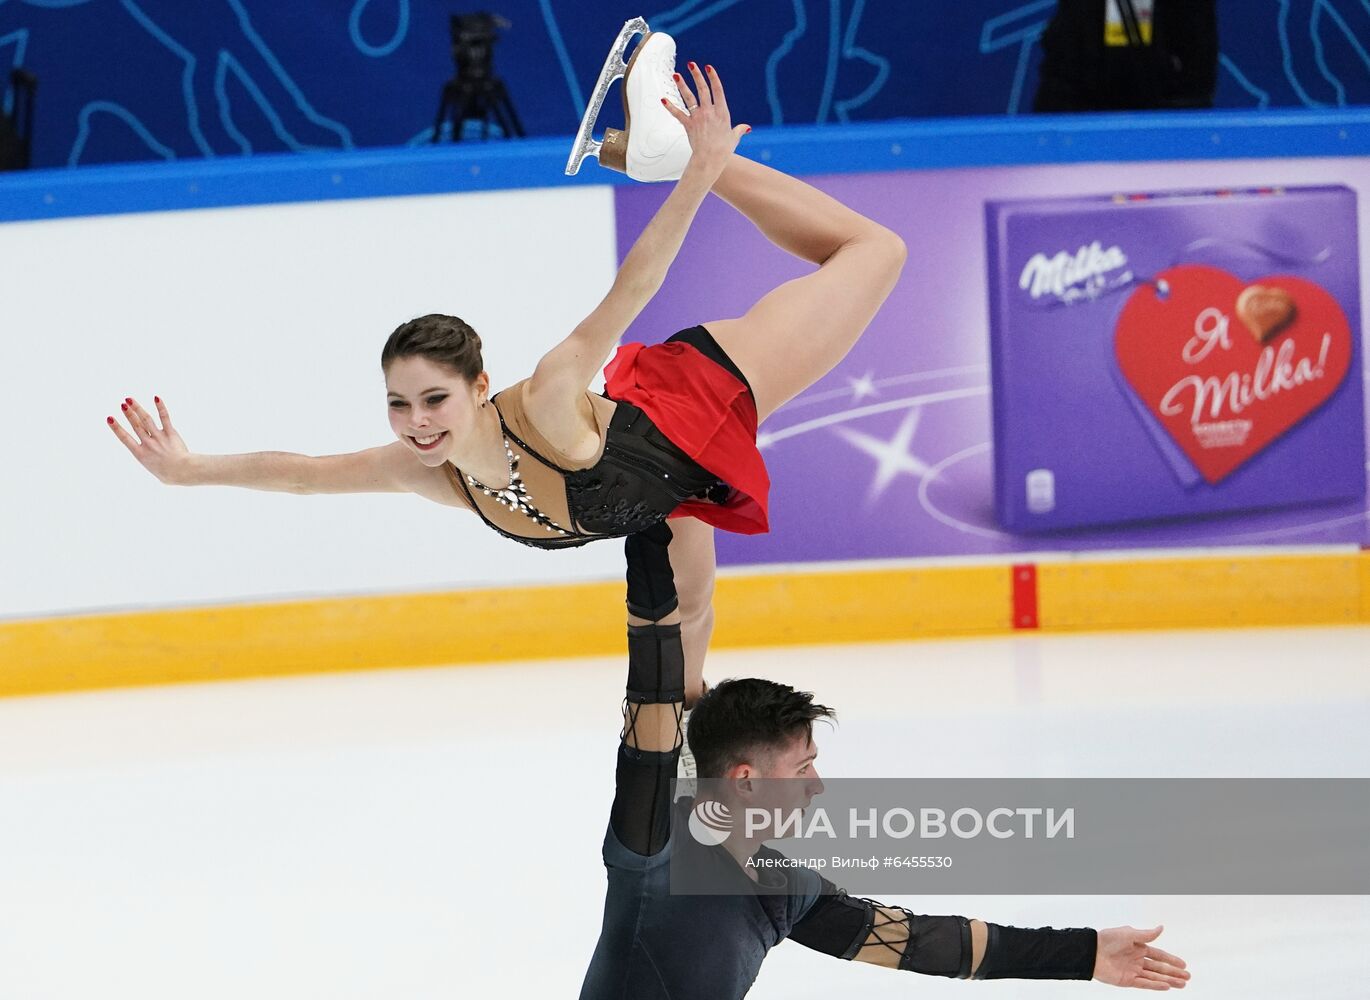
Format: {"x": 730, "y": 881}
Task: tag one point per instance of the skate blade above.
{"x": 614, "y": 67}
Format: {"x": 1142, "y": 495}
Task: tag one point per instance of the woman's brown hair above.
{"x": 444, "y": 340}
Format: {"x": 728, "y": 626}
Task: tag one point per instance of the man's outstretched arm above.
{"x": 653, "y": 700}
{"x": 866, "y": 931}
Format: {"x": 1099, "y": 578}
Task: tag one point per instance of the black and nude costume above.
{"x": 686, "y": 446}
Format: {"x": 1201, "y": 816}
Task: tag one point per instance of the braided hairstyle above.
{"x": 444, "y": 340}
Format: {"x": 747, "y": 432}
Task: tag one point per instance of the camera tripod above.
{"x": 482, "y": 100}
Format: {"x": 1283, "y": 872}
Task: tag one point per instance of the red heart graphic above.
{"x": 1221, "y": 394}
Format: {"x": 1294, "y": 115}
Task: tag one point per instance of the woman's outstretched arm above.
{"x": 566, "y": 370}
{"x": 158, "y": 447}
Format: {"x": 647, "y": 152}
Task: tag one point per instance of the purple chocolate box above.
{"x": 1172, "y": 355}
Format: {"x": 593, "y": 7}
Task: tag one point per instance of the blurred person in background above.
{"x": 1129, "y": 55}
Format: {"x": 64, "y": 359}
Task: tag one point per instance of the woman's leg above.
{"x": 692, "y": 563}
{"x": 797, "y": 333}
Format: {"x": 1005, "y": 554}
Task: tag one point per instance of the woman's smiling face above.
{"x": 433, "y": 410}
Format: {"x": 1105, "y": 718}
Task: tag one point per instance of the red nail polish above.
{"x": 664, "y": 101}
{"x": 128, "y": 399}
{"x": 693, "y": 66}
{"x": 158, "y": 399}
{"x": 124, "y": 407}
{"x": 709, "y": 69}
{"x": 109, "y": 419}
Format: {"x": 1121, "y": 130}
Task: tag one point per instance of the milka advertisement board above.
{"x": 893, "y": 453}
{"x": 1173, "y": 354}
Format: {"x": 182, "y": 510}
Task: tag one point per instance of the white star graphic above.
{"x": 862, "y": 387}
{"x": 892, "y": 457}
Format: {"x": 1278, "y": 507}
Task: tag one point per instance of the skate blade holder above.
{"x": 614, "y": 68}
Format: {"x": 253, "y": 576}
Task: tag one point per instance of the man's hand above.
{"x": 1125, "y": 957}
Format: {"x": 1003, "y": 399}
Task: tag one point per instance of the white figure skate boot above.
{"x": 686, "y": 773}
{"x": 656, "y": 148}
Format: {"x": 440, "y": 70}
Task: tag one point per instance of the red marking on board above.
{"x": 1025, "y": 596}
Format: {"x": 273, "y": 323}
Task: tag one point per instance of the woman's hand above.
{"x": 708, "y": 125}
{"x": 160, "y": 450}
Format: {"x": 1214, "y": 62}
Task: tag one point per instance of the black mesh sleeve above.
{"x": 842, "y": 925}
{"x": 651, "y": 583}
{"x": 836, "y": 924}
{"x": 1039, "y": 953}
{"x": 641, "y": 813}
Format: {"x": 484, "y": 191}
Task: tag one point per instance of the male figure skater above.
{"x": 657, "y": 946}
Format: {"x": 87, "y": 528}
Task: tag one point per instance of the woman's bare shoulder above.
{"x": 573, "y": 426}
{"x": 435, "y": 484}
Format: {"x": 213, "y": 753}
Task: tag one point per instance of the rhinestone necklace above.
{"x": 515, "y": 496}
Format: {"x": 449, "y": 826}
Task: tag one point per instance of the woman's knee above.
{"x": 895, "y": 245}
{"x": 883, "y": 244}
{"x": 697, "y": 601}
{"x": 696, "y": 631}
{"x": 692, "y": 557}
{"x": 695, "y": 592}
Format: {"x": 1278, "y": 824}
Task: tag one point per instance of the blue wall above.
{"x": 538, "y": 162}
{"x": 148, "y": 79}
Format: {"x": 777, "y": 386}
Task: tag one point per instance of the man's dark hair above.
{"x": 444, "y": 340}
{"x": 739, "y": 718}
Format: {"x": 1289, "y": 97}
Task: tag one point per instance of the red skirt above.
{"x": 706, "y": 412}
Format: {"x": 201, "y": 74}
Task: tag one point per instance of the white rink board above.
{"x": 262, "y": 328}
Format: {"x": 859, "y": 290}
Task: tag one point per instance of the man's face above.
{"x": 795, "y": 763}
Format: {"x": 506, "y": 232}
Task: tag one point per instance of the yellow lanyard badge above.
{"x": 1128, "y": 22}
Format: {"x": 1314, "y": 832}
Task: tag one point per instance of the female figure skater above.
{"x": 548, "y": 463}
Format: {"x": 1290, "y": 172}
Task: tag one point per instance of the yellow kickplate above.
{"x": 1204, "y": 592}
{"x": 780, "y": 608}
{"x": 300, "y": 637}
{"x": 862, "y": 605}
